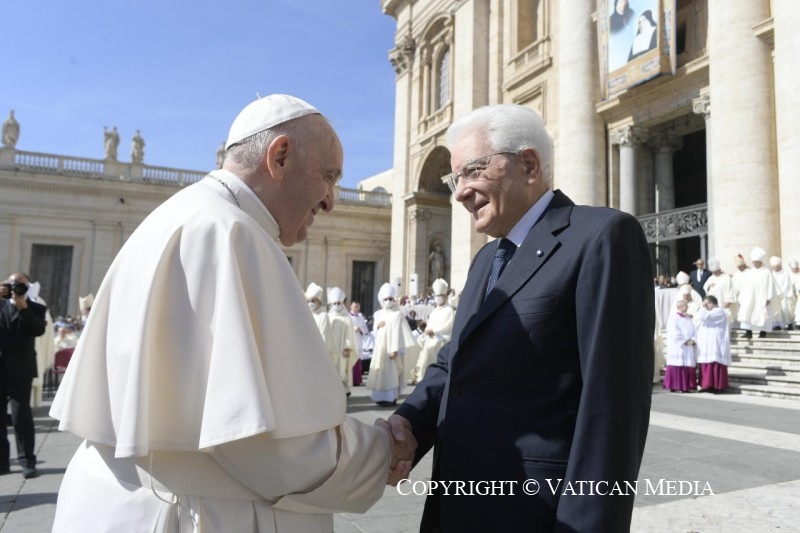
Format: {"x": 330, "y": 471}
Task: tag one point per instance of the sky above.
{"x": 180, "y": 71}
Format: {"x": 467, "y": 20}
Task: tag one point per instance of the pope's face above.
{"x": 309, "y": 185}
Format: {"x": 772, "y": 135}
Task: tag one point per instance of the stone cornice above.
{"x": 702, "y": 106}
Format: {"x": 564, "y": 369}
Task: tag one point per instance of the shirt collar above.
{"x": 529, "y": 219}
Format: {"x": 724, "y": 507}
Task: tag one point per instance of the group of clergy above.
{"x": 698, "y": 329}
{"x": 399, "y": 356}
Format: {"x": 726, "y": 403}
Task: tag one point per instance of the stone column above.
{"x": 581, "y": 141}
{"x": 629, "y": 138}
{"x": 786, "y": 14}
{"x": 470, "y": 58}
{"x": 702, "y": 106}
{"x": 402, "y": 59}
{"x": 665, "y": 144}
{"x": 743, "y": 177}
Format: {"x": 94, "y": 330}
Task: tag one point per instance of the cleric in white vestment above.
{"x": 438, "y": 330}
{"x": 681, "y": 358}
{"x": 392, "y": 337}
{"x": 204, "y": 403}
{"x": 757, "y": 290}
{"x": 713, "y": 346}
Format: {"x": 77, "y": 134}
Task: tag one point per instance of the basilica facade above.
{"x": 706, "y": 153}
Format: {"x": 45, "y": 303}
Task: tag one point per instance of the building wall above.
{"x": 94, "y": 211}
{"x": 620, "y": 150}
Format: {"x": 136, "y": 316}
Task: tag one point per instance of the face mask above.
{"x": 337, "y": 308}
{"x": 439, "y": 300}
{"x": 312, "y": 305}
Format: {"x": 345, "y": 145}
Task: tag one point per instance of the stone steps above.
{"x": 766, "y": 367}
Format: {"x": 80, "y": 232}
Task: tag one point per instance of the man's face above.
{"x": 621, "y": 6}
{"x": 500, "y": 194}
{"x": 355, "y": 308}
{"x": 701, "y": 265}
{"x": 308, "y": 185}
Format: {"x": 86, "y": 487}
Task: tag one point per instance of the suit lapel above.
{"x": 538, "y": 247}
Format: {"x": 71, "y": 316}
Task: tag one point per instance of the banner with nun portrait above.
{"x": 636, "y": 42}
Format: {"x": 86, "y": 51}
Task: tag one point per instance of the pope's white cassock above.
{"x": 392, "y": 336}
{"x": 796, "y": 283}
{"x": 204, "y": 402}
{"x": 713, "y": 337}
{"x": 757, "y": 289}
{"x": 721, "y": 287}
{"x": 440, "y": 323}
{"x": 343, "y": 337}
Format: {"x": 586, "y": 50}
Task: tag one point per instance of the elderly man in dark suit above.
{"x": 571, "y": 317}
{"x": 699, "y": 277}
{"x": 21, "y": 321}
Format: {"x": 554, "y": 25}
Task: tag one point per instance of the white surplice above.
{"x": 713, "y": 337}
{"x": 204, "y": 402}
{"x": 783, "y": 307}
{"x": 721, "y": 287}
{"x": 680, "y": 330}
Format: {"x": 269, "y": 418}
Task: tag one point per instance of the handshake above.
{"x": 403, "y": 444}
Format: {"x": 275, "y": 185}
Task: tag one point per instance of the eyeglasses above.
{"x": 473, "y": 169}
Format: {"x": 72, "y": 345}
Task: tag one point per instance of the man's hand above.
{"x": 393, "y": 355}
{"x": 20, "y": 301}
{"x": 346, "y": 352}
{"x": 429, "y": 332}
{"x": 404, "y": 445}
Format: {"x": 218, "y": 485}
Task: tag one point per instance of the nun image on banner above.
{"x": 392, "y": 337}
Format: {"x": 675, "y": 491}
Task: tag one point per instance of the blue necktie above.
{"x": 503, "y": 254}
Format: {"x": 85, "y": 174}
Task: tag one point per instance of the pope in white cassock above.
{"x": 438, "y": 331}
{"x": 757, "y": 290}
{"x": 204, "y": 403}
{"x": 343, "y": 337}
{"x": 686, "y": 291}
{"x": 320, "y": 314}
{"x": 392, "y": 337}
{"x": 713, "y": 345}
{"x": 783, "y": 306}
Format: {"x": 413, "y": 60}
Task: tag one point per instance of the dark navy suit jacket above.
{"x": 18, "y": 332}
{"x": 548, "y": 378}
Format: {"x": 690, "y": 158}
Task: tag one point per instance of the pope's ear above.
{"x": 275, "y": 157}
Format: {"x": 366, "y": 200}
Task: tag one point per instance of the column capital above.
{"x": 702, "y": 106}
{"x": 630, "y": 135}
{"x": 417, "y": 213}
{"x": 666, "y": 142}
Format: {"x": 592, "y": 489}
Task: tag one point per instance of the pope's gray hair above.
{"x": 508, "y": 128}
{"x": 249, "y": 152}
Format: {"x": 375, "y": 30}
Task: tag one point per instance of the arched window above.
{"x": 443, "y": 79}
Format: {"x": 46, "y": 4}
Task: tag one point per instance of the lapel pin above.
{"x": 539, "y": 253}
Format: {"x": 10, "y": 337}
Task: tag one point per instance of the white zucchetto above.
{"x": 682, "y": 278}
{"x": 266, "y": 113}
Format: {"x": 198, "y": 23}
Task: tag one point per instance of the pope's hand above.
{"x": 404, "y": 445}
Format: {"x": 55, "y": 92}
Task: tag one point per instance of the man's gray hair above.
{"x": 249, "y": 153}
{"x": 509, "y": 128}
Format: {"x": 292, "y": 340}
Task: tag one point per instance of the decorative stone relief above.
{"x": 666, "y": 141}
{"x": 402, "y": 55}
{"x": 702, "y": 106}
{"x": 630, "y": 136}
